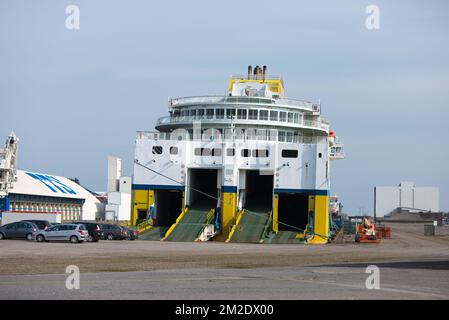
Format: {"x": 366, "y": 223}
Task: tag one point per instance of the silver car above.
{"x": 74, "y": 233}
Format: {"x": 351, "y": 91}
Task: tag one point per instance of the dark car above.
{"x": 18, "y": 230}
{"x": 41, "y": 224}
{"x": 113, "y": 232}
{"x": 95, "y": 232}
{"x": 132, "y": 234}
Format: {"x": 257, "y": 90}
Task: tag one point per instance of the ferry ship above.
{"x": 249, "y": 166}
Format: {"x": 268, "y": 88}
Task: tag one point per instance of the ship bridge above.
{"x": 224, "y": 111}
{"x": 254, "y": 101}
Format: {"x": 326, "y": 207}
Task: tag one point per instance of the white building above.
{"x": 405, "y": 196}
{"x": 119, "y": 192}
{"x": 37, "y": 193}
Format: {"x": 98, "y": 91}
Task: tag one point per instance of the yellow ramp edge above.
{"x": 269, "y": 221}
{"x": 174, "y": 224}
{"x": 144, "y": 226}
{"x": 239, "y": 217}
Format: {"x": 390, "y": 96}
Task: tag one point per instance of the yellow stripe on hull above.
{"x": 142, "y": 200}
{"x": 228, "y": 212}
{"x": 320, "y": 220}
{"x": 275, "y": 213}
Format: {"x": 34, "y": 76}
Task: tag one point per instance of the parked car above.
{"x": 132, "y": 234}
{"x": 74, "y": 233}
{"x": 41, "y": 224}
{"x": 18, "y": 230}
{"x": 95, "y": 232}
{"x": 113, "y": 232}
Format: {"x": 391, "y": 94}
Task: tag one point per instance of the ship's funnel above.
{"x": 264, "y": 73}
{"x": 250, "y": 71}
{"x": 256, "y": 72}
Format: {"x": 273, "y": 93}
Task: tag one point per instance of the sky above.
{"x": 76, "y": 96}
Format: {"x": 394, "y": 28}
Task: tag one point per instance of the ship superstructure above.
{"x": 249, "y": 166}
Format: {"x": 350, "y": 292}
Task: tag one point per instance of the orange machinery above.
{"x": 365, "y": 232}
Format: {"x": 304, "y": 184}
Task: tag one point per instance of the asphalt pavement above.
{"x": 410, "y": 280}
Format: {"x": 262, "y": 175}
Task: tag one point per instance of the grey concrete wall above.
{"x": 387, "y": 199}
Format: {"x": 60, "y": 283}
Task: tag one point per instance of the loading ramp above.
{"x": 190, "y": 224}
{"x": 201, "y": 201}
{"x": 249, "y": 227}
{"x": 153, "y": 234}
{"x": 285, "y": 237}
{"x": 254, "y": 220}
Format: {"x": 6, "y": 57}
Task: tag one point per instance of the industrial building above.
{"x": 31, "y": 195}
{"x": 405, "y": 197}
{"x": 248, "y": 166}
{"x": 118, "y": 207}
{"x": 37, "y": 193}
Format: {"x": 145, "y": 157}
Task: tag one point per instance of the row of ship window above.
{"x": 230, "y": 152}
{"x": 243, "y": 114}
{"x": 258, "y": 134}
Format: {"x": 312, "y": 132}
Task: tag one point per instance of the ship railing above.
{"x": 176, "y": 102}
{"x": 320, "y": 124}
{"x": 262, "y": 135}
{"x": 296, "y": 103}
{"x": 252, "y": 77}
